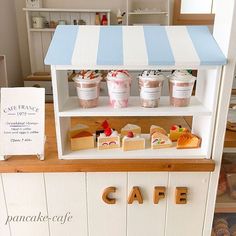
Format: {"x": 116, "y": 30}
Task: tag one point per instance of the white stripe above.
{"x": 182, "y": 46}
{"x": 86, "y": 46}
{"x": 134, "y": 46}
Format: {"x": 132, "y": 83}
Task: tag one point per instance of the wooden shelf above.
{"x": 65, "y": 10}
{"x": 53, "y": 164}
{"x": 148, "y": 13}
{"x": 72, "y": 109}
{"x": 148, "y": 153}
{"x": 42, "y": 30}
{"x": 225, "y": 204}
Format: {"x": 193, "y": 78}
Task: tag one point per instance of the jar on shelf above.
{"x": 104, "y": 20}
{"x": 150, "y": 84}
{"x": 181, "y": 87}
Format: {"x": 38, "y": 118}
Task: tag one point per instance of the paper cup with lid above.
{"x": 88, "y": 88}
{"x": 150, "y": 84}
{"x": 181, "y": 87}
{"x": 118, "y": 83}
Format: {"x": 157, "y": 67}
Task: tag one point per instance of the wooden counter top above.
{"x": 53, "y": 164}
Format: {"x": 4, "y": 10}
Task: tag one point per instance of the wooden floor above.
{"x": 52, "y": 164}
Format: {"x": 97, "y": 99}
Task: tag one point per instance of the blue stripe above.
{"x": 110, "y": 47}
{"x": 62, "y": 45}
{"x": 158, "y": 47}
{"x": 206, "y": 46}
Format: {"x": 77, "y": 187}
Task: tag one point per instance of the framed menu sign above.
{"x": 22, "y": 122}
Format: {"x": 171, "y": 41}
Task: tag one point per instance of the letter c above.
{"x": 105, "y": 195}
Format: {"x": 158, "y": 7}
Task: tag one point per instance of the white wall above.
{"x": 9, "y": 42}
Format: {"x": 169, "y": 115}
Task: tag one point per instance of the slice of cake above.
{"x": 82, "y": 140}
{"x": 109, "y": 138}
{"x": 188, "y": 140}
{"x": 130, "y": 128}
{"x": 132, "y": 142}
{"x": 156, "y": 128}
{"x": 176, "y": 131}
{"x": 77, "y": 129}
{"x": 159, "y": 140}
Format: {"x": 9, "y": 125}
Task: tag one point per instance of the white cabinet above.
{"x": 187, "y": 219}
{"x": 25, "y": 196}
{"x": 4, "y": 227}
{"x": 66, "y": 196}
{"x": 147, "y": 218}
{"x": 79, "y": 195}
{"x": 106, "y": 219}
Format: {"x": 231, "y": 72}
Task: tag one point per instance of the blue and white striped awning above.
{"x": 133, "y": 46}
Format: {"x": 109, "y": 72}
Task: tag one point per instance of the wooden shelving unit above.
{"x": 148, "y": 12}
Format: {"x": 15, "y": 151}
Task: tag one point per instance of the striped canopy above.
{"x": 91, "y": 47}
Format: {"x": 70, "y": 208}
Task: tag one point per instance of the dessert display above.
{"x": 156, "y": 128}
{"x": 130, "y": 128}
{"x": 132, "y": 141}
{"x": 88, "y": 87}
{"x": 109, "y": 138}
{"x": 150, "y": 84}
{"x": 160, "y": 140}
{"x": 187, "y": 140}
{"x": 181, "y": 86}
{"x": 231, "y": 179}
{"x": 119, "y": 82}
{"x": 222, "y": 185}
{"x": 81, "y": 138}
{"x": 221, "y": 227}
{"x": 176, "y": 131}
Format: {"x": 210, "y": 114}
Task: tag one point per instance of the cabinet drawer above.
{"x": 40, "y": 84}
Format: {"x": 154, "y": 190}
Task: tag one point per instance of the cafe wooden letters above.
{"x": 135, "y": 195}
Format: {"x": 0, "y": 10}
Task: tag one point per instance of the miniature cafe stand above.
{"x": 146, "y": 192}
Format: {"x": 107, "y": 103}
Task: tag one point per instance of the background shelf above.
{"x": 225, "y": 204}
{"x": 72, "y": 109}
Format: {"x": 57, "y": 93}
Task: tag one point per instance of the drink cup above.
{"x": 119, "y": 83}
{"x": 181, "y": 86}
{"x": 150, "y": 84}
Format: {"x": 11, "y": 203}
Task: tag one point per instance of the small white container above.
{"x": 38, "y": 22}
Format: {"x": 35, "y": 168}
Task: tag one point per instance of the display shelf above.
{"x": 42, "y": 30}
{"x": 148, "y": 13}
{"x": 165, "y": 153}
{"x": 65, "y": 10}
{"x": 225, "y": 204}
{"x": 72, "y": 109}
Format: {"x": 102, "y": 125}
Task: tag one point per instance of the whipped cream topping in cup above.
{"x": 181, "y": 86}
{"x": 88, "y": 88}
{"x": 118, "y": 83}
{"x": 150, "y": 84}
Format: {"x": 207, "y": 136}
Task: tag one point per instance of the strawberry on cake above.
{"x": 132, "y": 142}
{"x": 176, "y": 131}
{"x": 109, "y": 138}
